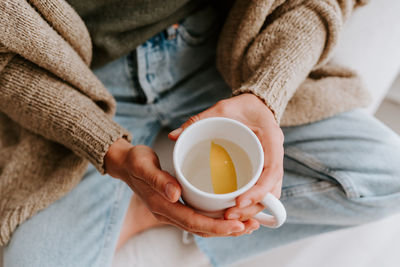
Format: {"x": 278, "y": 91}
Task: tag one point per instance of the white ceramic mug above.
{"x": 213, "y": 204}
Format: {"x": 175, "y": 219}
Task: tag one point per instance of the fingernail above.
{"x": 176, "y": 131}
{"x": 233, "y": 216}
{"x": 170, "y": 191}
{"x": 245, "y": 203}
{"x": 238, "y": 228}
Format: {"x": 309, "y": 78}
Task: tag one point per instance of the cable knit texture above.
{"x": 56, "y": 116}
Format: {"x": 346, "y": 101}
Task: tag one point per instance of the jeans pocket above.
{"x": 321, "y": 171}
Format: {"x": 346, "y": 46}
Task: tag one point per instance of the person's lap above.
{"x": 339, "y": 172}
{"x": 82, "y": 228}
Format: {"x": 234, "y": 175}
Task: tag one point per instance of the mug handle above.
{"x": 278, "y": 211}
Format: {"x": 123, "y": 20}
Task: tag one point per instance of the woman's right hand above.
{"x": 139, "y": 167}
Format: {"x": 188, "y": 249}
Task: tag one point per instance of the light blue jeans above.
{"x": 339, "y": 172}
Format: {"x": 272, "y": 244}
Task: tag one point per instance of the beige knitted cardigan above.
{"x": 56, "y": 115}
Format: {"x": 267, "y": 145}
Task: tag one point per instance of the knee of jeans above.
{"x": 372, "y": 186}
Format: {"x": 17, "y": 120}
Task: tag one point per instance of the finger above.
{"x": 250, "y": 226}
{"x": 175, "y": 134}
{"x": 277, "y": 191}
{"x": 164, "y": 183}
{"x": 166, "y": 220}
{"x": 191, "y": 221}
{"x": 195, "y": 118}
{"x": 271, "y": 177}
{"x": 259, "y": 190}
{"x": 243, "y": 214}
{"x": 146, "y": 168}
{"x": 184, "y": 216}
{"x": 206, "y": 226}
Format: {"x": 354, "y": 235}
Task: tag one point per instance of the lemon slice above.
{"x": 223, "y": 174}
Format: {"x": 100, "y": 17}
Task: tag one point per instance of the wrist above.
{"x": 258, "y": 100}
{"x": 114, "y": 160}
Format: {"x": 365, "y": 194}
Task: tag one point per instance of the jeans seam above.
{"x": 311, "y": 162}
{"x": 129, "y": 68}
{"x": 301, "y": 190}
{"x": 141, "y": 53}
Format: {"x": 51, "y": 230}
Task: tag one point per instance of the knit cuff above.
{"x": 274, "y": 100}
{"x": 94, "y": 135}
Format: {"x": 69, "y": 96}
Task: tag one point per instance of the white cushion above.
{"x": 370, "y": 44}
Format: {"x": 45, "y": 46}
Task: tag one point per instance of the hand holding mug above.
{"x": 251, "y": 111}
{"x": 139, "y": 167}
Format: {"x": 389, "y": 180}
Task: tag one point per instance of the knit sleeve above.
{"x": 46, "y": 85}
{"x": 278, "y": 45}
{"x": 42, "y": 103}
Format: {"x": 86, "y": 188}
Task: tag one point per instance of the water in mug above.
{"x": 217, "y": 166}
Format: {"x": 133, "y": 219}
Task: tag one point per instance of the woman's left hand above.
{"x": 250, "y": 110}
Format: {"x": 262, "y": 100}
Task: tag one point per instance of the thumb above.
{"x": 174, "y": 135}
{"x": 146, "y": 167}
{"x": 167, "y": 186}
{"x": 164, "y": 183}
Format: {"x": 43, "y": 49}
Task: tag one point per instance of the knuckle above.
{"x": 245, "y": 217}
{"x": 152, "y": 180}
{"x": 138, "y": 164}
{"x": 190, "y": 224}
{"x": 223, "y": 106}
{"x": 258, "y": 130}
{"x": 193, "y": 119}
{"x": 214, "y": 229}
{"x": 259, "y": 207}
